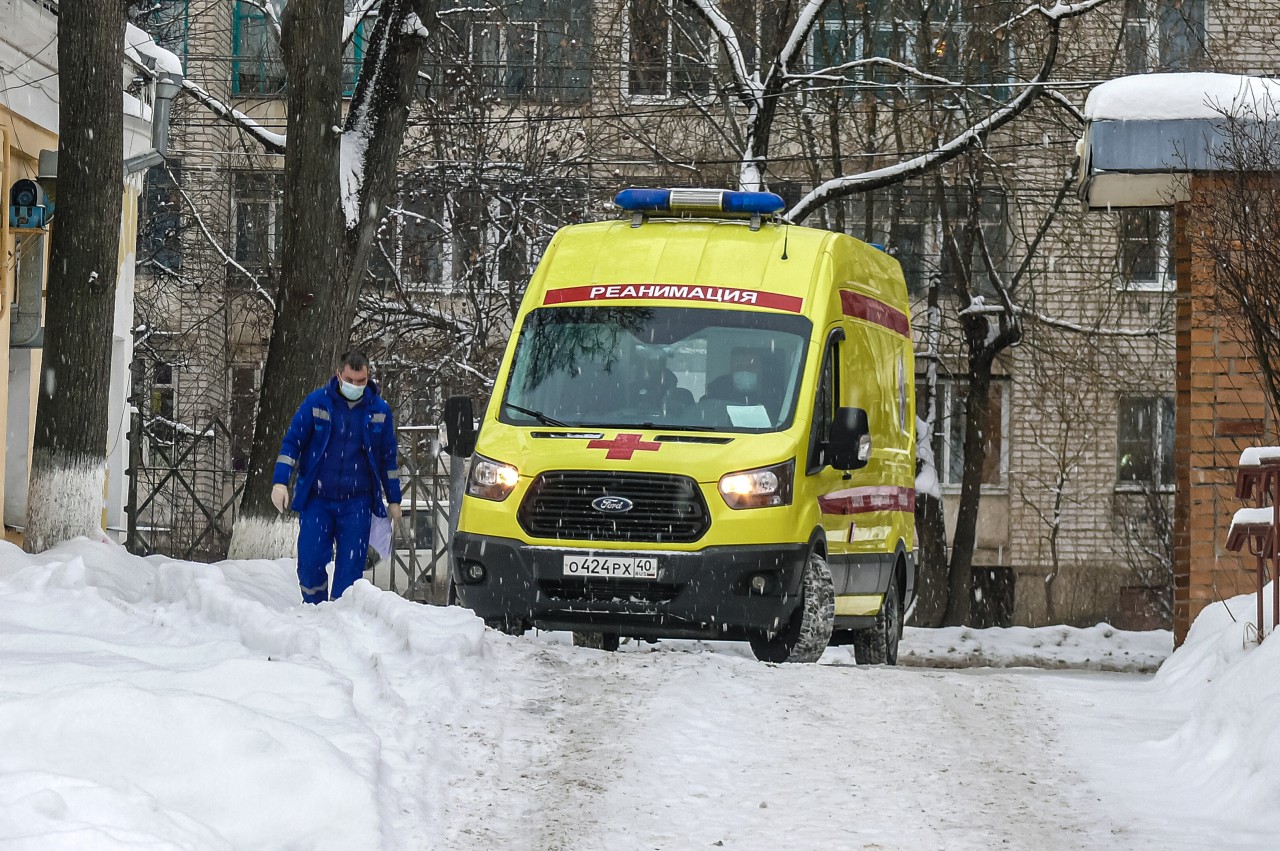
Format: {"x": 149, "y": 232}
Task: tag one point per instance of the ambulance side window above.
{"x": 825, "y": 402}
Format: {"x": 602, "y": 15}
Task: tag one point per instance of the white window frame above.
{"x": 947, "y": 425}
{"x": 274, "y": 205}
{"x": 669, "y": 65}
{"x": 446, "y": 285}
{"x": 1157, "y": 432}
{"x": 1164, "y": 280}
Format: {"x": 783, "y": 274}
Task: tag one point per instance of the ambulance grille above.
{"x": 609, "y": 590}
{"x": 665, "y": 509}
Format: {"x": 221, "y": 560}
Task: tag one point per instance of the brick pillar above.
{"x": 1220, "y": 410}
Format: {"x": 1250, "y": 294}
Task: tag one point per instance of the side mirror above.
{"x": 459, "y": 426}
{"x": 850, "y": 445}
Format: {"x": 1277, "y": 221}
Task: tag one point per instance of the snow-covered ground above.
{"x": 148, "y": 703}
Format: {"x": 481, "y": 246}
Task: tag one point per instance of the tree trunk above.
{"x": 964, "y": 541}
{"x": 68, "y": 469}
{"x": 931, "y": 570}
{"x": 308, "y": 329}
{"x": 931, "y": 530}
{"x": 328, "y": 233}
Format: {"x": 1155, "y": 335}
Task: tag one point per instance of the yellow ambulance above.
{"x": 703, "y": 427}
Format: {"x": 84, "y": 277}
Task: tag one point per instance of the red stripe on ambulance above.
{"x": 863, "y": 500}
{"x": 861, "y": 306}
{"x": 676, "y": 292}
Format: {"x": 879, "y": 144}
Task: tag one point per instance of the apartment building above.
{"x": 533, "y": 112}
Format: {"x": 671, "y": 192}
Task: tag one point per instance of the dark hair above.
{"x": 355, "y": 360}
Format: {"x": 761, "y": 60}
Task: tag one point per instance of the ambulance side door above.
{"x": 826, "y": 479}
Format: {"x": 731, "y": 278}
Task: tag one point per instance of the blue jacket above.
{"x": 308, "y": 435}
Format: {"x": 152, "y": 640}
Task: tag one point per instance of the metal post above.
{"x": 134, "y": 471}
{"x": 457, "y": 482}
{"x": 1275, "y": 560}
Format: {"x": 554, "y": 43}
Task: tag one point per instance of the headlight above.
{"x": 759, "y": 488}
{"x": 491, "y": 479}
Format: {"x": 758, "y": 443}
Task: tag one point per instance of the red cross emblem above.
{"x": 622, "y": 447}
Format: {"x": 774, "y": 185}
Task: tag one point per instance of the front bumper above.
{"x": 703, "y": 594}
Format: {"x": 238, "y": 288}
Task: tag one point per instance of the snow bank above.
{"x": 1096, "y": 648}
{"x": 1184, "y": 95}
{"x": 1227, "y": 751}
{"x": 146, "y": 702}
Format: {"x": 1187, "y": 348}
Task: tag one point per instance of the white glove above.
{"x": 280, "y": 497}
{"x": 394, "y": 512}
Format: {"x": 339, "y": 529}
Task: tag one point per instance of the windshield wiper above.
{"x": 537, "y": 415}
{"x": 653, "y": 426}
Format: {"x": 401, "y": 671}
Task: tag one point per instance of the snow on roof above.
{"x": 1256, "y": 455}
{"x": 138, "y": 45}
{"x": 1147, "y": 97}
{"x": 1252, "y": 517}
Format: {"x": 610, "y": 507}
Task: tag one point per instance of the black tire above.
{"x": 606, "y": 641}
{"x": 806, "y": 635}
{"x": 878, "y": 645}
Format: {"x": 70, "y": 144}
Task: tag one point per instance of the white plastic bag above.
{"x": 380, "y": 536}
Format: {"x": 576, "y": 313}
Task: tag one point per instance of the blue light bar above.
{"x": 644, "y": 200}
{"x": 753, "y": 202}
{"x": 698, "y": 201}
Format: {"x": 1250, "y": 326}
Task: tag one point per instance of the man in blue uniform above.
{"x": 342, "y": 443}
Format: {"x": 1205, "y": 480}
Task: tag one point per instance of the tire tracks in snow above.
{"x": 546, "y": 755}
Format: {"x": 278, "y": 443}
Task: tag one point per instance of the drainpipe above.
{"x": 168, "y": 84}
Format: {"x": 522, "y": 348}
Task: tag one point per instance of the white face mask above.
{"x": 746, "y": 381}
{"x": 352, "y": 392}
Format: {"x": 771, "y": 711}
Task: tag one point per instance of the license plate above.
{"x": 611, "y": 567}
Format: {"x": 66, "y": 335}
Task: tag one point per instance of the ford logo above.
{"x": 612, "y": 504}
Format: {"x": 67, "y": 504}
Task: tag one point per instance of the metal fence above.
{"x": 183, "y": 498}
{"x": 182, "y": 494}
{"x": 418, "y": 567}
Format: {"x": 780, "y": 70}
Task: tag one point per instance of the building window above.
{"x": 968, "y": 217}
{"x": 535, "y": 51}
{"x": 840, "y": 38}
{"x": 1144, "y": 442}
{"x": 666, "y": 50}
{"x": 167, "y": 22}
{"x": 159, "y": 240}
{"x": 257, "y": 65}
{"x": 1163, "y": 35}
{"x": 952, "y": 394}
{"x": 960, "y": 49}
{"x": 258, "y": 200}
{"x": 161, "y": 430}
{"x": 909, "y": 223}
{"x": 1146, "y": 249}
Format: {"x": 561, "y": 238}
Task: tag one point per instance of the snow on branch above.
{"x": 839, "y": 187}
{"x": 217, "y": 246}
{"x": 746, "y": 83}
{"x": 274, "y": 143}
{"x": 800, "y": 32}
{"x": 978, "y": 306}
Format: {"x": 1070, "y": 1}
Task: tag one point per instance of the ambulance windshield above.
{"x": 657, "y": 367}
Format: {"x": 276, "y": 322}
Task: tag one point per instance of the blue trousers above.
{"x": 326, "y": 523}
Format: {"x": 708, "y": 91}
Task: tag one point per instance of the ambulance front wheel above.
{"x": 806, "y": 635}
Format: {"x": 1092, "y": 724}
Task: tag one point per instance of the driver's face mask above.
{"x": 746, "y": 381}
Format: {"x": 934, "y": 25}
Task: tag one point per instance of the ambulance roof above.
{"x": 716, "y": 253}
